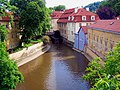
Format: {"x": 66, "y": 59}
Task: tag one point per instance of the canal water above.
{"x": 60, "y": 68}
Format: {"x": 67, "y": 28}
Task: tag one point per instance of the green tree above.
{"x": 59, "y": 8}
{"x": 114, "y": 4}
{"x": 51, "y": 9}
{"x": 117, "y": 7}
{"x": 34, "y": 18}
{"x": 93, "y": 6}
{"x": 9, "y": 73}
{"x": 105, "y": 77}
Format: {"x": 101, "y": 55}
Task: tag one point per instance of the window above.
{"x": 92, "y": 17}
{"x": 12, "y": 35}
{"x": 72, "y": 32}
{"x": 72, "y": 18}
{"x": 79, "y": 24}
{"x": 6, "y": 25}
{"x": 101, "y": 40}
{"x": 10, "y": 46}
{"x": 68, "y": 18}
{"x": 84, "y": 18}
{"x": 106, "y": 42}
{"x": 111, "y": 45}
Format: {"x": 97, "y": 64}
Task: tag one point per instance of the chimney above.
{"x": 76, "y": 9}
{"x": 118, "y": 18}
{"x": 87, "y": 9}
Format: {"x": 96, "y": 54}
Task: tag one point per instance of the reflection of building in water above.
{"x": 78, "y": 64}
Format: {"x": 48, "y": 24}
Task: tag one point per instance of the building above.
{"x": 102, "y": 37}
{"x": 54, "y": 17}
{"x": 81, "y": 39}
{"x": 13, "y": 38}
{"x": 62, "y": 23}
{"x": 118, "y": 17}
{"x": 80, "y": 17}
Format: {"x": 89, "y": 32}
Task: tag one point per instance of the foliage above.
{"x": 117, "y": 8}
{"x": 59, "y": 8}
{"x": 106, "y": 13}
{"x": 9, "y": 74}
{"x": 34, "y": 18}
{"x": 5, "y": 5}
{"x": 113, "y": 4}
{"x": 3, "y": 33}
{"x": 31, "y": 42}
{"x": 93, "y": 6}
{"x": 105, "y": 77}
{"x": 51, "y": 9}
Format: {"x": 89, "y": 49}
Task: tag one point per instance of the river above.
{"x": 60, "y": 68}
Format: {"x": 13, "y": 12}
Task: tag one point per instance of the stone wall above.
{"x": 26, "y": 51}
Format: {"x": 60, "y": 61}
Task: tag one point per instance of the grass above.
{"x": 25, "y": 45}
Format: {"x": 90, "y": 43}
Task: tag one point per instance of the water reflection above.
{"x": 58, "y": 69}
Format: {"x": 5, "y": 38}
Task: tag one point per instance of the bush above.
{"x": 105, "y": 77}
{"x": 9, "y": 73}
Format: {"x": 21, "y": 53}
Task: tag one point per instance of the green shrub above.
{"x": 105, "y": 77}
{"x": 9, "y": 73}
{"x": 36, "y": 41}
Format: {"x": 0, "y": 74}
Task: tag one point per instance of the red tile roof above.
{"x": 83, "y": 12}
{"x": 56, "y": 14}
{"x": 107, "y": 25}
{"x": 118, "y": 17}
{"x": 7, "y": 17}
{"x": 85, "y": 30}
{"x": 77, "y": 15}
{"x": 65, "y": 15}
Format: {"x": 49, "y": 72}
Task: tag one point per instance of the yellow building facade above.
{"x": 102, "y": 37}
{"x": 13, "y": 37}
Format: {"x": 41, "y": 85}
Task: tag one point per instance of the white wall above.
{"x": 26, "y": 51}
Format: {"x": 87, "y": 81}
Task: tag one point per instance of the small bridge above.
{"x": 55, "y": 37}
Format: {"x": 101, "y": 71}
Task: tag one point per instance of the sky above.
{"x": 69, "y": 3}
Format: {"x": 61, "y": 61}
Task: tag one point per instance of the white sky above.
{"x": 69, "y": 3}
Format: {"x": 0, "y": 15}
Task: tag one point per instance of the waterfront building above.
{"x": 80, "y": 17}
{"x": 54, "y": 17}
{"x": 13, "y": 37}
{"x": 81, "y": 39}
{"x": 62, "y": 23}
{"x": 102, "y": 37}
{"x": 71, "y": 21}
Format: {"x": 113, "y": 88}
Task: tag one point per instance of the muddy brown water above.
{"x": 60, "y": 68}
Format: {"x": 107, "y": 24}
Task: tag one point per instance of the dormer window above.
{"x": 68, "y": 18}
{"x": 118, "y": 18}
{"x": 84, "y": 18}
{"x": 92, "y": 17}
{"x": 72, "y": 18}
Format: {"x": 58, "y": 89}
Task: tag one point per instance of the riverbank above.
{"x": 30, "y": 53}
{"x": 85, "y": 54}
